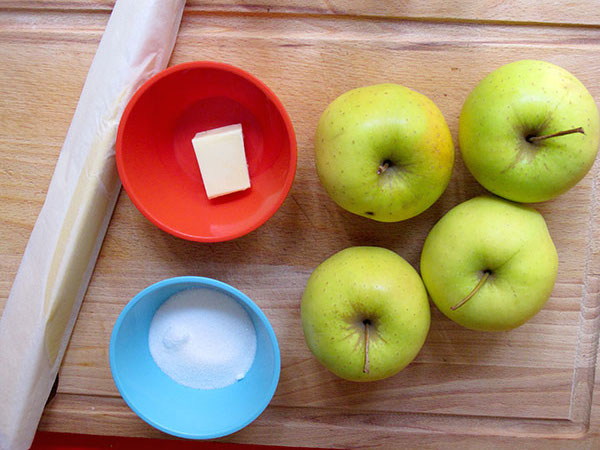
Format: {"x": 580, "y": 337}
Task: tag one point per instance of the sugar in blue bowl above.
{"x": 169, "y": 405}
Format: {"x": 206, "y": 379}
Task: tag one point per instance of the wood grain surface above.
{"x": 583, "y": 12}
{"x": 531, "y": 387}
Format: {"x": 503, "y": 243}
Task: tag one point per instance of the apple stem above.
{"x": 383, "y": 167}
{"x": 486, "y": 274}
{"x": 366, "y": 367}
{"x": 534, "y": 139}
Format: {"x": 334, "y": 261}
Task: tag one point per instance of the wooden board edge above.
{"x": 557, "y": 16}
{"x": 292, "y": 426}
{"x": 589, "y": 325}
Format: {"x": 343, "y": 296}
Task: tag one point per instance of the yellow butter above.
{"x": 222, "y": 160}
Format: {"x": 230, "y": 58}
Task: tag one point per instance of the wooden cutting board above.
{"x": 531, "y": 387}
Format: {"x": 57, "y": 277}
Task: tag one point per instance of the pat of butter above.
{"x": 222, "y": 160}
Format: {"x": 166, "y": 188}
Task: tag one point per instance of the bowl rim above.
{"x": 206, "y": 283}
{"x": 293, "y": 147}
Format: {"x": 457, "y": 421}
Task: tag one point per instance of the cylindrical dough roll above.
{"x": 61, "y": 253}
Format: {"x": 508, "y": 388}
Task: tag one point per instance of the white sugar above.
{"x": 203, "y": 339}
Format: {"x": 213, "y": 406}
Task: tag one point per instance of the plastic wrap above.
{"x": 59, "y": 259}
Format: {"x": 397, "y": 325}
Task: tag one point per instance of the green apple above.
{"x": 529, "y": 131}
{"x": 384, "y": 152}
{"x": 365, "y": 313}
{"x": 489, "y": 264}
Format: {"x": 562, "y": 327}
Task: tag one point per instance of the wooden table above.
{"x": 528, "y": 388}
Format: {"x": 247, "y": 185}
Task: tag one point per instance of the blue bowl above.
{"x": 174, "y": 408}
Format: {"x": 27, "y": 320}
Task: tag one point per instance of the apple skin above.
{"x": 356, "y": 284}
{"x": 490, "y": 233}
{"x": 524, "y": 98}
{"x": 363, "y": 128}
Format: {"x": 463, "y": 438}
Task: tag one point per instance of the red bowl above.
{"x": 156, "y": 160}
